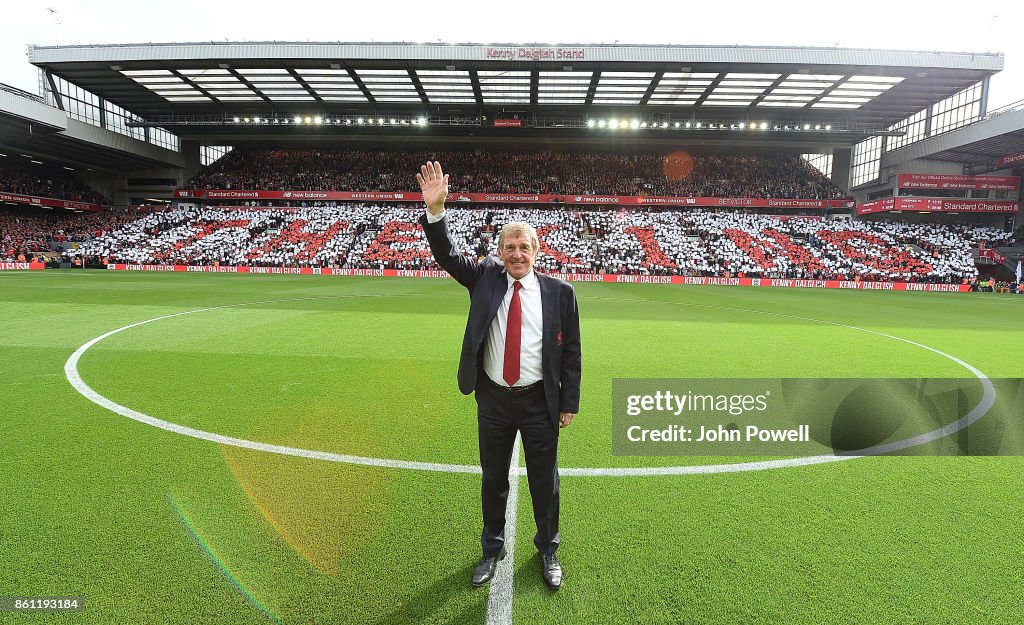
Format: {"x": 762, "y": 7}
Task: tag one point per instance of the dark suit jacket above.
{"x": 487, "y": 285}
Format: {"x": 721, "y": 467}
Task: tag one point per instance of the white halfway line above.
{"x": 499, "y": 601}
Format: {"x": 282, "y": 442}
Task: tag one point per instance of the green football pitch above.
{"x": 151, "y": 525}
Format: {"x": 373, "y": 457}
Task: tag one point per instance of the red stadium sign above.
{"x": 1010, "y": 159}
{"x": 347, "y": 196}
{"x": 877, "y": 206}
{"x": 508, "y": 123}
{"x": 572, "y": 277}
{"x": 992, "y": 255}
{"x": 937, "y": 205}
{"x": 47, "y": 201}
{"x": 21, "y": 266}
{"x": 943, "y": 181}
{"x": 511, "y": 198}
{"x": 741, "y": 202}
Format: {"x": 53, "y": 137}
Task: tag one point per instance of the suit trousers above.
{"x": 499, "y": 416}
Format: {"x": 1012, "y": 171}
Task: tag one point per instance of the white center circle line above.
{"x": 75, "y": 379}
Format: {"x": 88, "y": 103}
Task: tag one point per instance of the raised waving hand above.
{"x": 434, "y": 185}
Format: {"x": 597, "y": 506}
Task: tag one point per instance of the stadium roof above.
{"x": 855, "y": 87}
{"x": 29, "y": 127}
{"x": 979, "y": 146}
{"x": 984, "y": 154}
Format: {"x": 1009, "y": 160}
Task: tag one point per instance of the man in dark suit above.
{"x": 521, "y": 355}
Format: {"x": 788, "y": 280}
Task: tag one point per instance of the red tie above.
{"x": 513, "y": 337}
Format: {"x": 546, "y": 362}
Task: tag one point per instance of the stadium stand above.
{"x": 734, "y": 161}
{"x": 728, "y": 175}
{"x": 27, "y": 232}
{"x": 45, "y": 181}
{"x": 694, "y": 242}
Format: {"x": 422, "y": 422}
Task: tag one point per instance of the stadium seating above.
{"x": 729, "y": 175}
{"x": 45, "y": 181}
{"x": 693, "y": 242}
{"x": 26, "y": 232}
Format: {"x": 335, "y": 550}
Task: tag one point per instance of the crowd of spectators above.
{"x": 991, "y": 285}
{"x": 675, "y": 174}
{"x": 28, "y": 178}
{"x": 694, "y": 242}
{"x": 36, "y": 232}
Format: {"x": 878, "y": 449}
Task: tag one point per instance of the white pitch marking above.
{"x": 499, "y": 601}
{"x": 979, "y": 410}
{"x": 71, "y": 372}
{"x": 499, "y": 605}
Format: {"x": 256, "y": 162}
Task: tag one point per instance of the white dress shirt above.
{"x": 532, "y": 331}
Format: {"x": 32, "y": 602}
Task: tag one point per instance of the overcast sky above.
{"x": 996, "y": 26}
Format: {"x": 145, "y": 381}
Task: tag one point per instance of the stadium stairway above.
{"x": 1012, "y": 254}
{"x": 1002, "y": 273}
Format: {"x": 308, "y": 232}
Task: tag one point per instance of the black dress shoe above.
{"x": 485, "y": 570}
{"x": 551, "y": 569}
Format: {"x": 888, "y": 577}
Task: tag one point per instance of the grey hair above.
{"x": 514, "y": 228}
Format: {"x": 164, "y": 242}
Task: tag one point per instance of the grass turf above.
{"x": 154, "y": 527}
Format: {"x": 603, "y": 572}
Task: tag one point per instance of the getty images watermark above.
{"x": 785, "y": 417}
